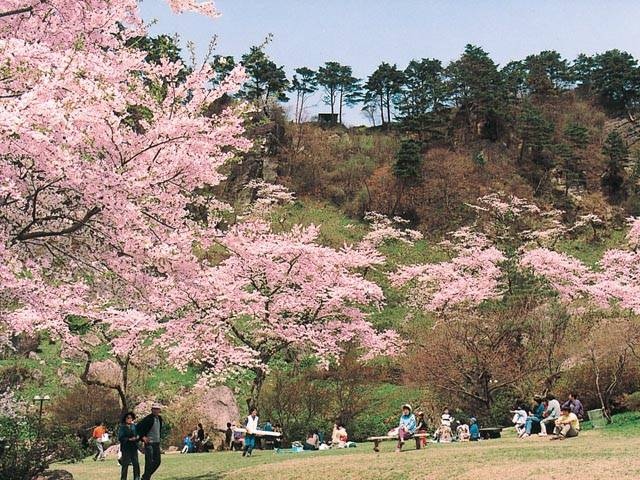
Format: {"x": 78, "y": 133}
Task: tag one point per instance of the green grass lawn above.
{"x": 596, "y": 454}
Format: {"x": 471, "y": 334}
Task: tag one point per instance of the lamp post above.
{"x": 41, "y": 400}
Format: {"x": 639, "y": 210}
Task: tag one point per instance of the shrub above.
{"x": 632, "y": 401}
{"x": 29, "y": 448}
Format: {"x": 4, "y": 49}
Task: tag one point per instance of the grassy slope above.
{"x": 595, "y": 454}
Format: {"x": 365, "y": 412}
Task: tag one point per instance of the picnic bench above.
{"x": 492, "y": 432}
{"x": 259, "y": 433}
{"x": 376, "y": 440}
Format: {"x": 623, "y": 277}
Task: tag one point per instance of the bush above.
{"x": 632, "y": 401}
{"x": 82, "y": 407}
{"x": 29, "y": 448}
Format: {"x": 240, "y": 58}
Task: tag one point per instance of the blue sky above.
{"x": 362, "y": 33}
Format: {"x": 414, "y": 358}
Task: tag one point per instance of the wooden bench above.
{"x": 376, "y": 440}
{"x": 488, "y": 433}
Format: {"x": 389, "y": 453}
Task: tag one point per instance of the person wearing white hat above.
{"x": 407, "y": 426}
{"x": 149, "y": 430}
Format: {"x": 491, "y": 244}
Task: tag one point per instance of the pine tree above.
{"x": 613, "y": 178}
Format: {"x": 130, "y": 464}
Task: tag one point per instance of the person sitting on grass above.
{"x": 339, "y": 437}
{"x": 444, "y": 434}
{"x": 463, "y": 432}
{"x": 312, "y": 442}
{"x": 519, "y": 420}
{"x": 535, "y": 416}
{"x": 567, "y": 424}
{"x": 406, "y": 426}
{"x": 188, "y": 445}
{"x": 474, "y": 430}
{"x": 550, "y": 414}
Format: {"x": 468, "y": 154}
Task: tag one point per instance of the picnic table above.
{"x": 259, "y": 433}
{"x": 492, "y": 432}
{"x": 376, "y": 440}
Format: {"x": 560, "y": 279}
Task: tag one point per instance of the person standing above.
{"x": 406, "y": 426}
{"x": 128, "y": 446}
{"x": 98, "y": 434}
{"x": 149, "y": 430}
{"x": 251, "y": 425}
{"x": 228, "y": 435}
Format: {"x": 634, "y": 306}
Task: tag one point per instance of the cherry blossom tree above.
{"x": 100, "y": 171}
{"x": 276, "y": 293}
{"x": 97, "y": 169}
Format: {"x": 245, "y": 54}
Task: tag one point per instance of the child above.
{"x": 228, "y": 435}
{"x": 446, "y": 419}
{"x": 519, "y": 420}
{"x": 187, "y": 443}
{"x": 444, "y": 433}
{"x": 406, "y": 426}
{"x": 463, "y": 432}
{"x": 421, "y": 427}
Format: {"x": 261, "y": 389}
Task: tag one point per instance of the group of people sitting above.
{"x": 411, "y": 425}
{"x": 339, "y": 439}
{"x": 196, "y": 441}
{"x": 548, "y": 416}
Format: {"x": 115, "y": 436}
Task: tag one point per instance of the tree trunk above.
{"x": 340, "y": 107}
{"x": 256, "y": 387}
{"x": 388, "y": 108}
{"x": 382, "y": 110}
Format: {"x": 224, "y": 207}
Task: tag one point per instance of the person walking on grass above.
{"x": 251, "y": 425}
{"x": 128, "y": 446}
{"x": 406, "y": 427}
{"x": 99, "y": 434}
{"x": 149, "y": 430}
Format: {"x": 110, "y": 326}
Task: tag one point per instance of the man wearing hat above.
{"x": 407, "y": 426}
{"x": 148, "y": 429}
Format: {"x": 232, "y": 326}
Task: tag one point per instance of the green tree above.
{"x": 385, "y": 83}
{"x": 303, "y": 84}
{"x": 613, "y": 76}
{"x": 407, "y": 167}
{"x": 422, "y": 105}
{"x": 616, "y": 152}
{"x": 547, "y": 73}
{"x": 536, "y": 134}
{"x": 266, "y": 81}
{"x": 514, "y": 75}
{"x": 571, "y": 153}
{"x": 478, "y": 89}
{"x": 222, "y": 66}
{"x": 340, "y": 86}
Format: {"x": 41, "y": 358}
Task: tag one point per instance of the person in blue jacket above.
{"x": 406, "y": 426}
{"x": 188, "y": 445}
{"x": 128, "y": 446}
{"x": 474, "y": 430}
